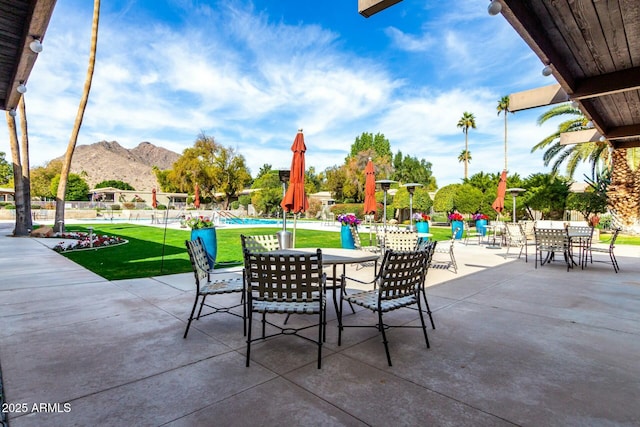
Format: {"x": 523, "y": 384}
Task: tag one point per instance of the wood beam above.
{"x": 606, "y": 84}
{"x": 623, "y": 132}
{"x": 580, "y": 136}
{"x": 368, "y": 8}
{"x": 36, "y": 25}
{"x": 634, "y": 143}
{"x": 546, "y": 95}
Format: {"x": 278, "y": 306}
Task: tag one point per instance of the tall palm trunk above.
{"x": 26, "y": 178}
{"x": 21, "y": 222}
{"x": 622, "y": 193}
{"x": 505, "y": 139}
{"x": 466, "y": 153}
{"x": 66, "y": 164}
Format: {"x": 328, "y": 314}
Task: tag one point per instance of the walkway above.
{"x": 514, "y": 345}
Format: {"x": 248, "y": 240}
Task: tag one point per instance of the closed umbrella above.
{"x": 498, "y": 203}
{"x": 196, "y": 197}
{"x": 295, "y": 199}
{"x": 154, "y": 199}
{"x": 369, "y": 192}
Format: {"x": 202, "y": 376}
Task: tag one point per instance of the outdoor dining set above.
{"x": 278, "y": 283}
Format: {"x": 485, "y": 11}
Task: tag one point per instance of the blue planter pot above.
{"x": 422, "y": 227}
{"x": 208, "y": 236}
{"x": 459, "y": 226}
{"x": 481, "y": 226}
{"x": 346, "y": 238}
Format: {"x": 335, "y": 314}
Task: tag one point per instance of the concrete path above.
{"x": 513, "y": 345}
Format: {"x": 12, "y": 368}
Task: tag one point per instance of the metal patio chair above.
{"x": 399, "y": 284}
{"x": 515, "y": 237}
{"x": 285, "y": 284}
{"x": 608, "y": 250}
{"x": 206, "y": 287}
{"x": 552, "y": 241}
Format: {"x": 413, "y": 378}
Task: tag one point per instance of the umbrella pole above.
{"x": 295, "y": 219}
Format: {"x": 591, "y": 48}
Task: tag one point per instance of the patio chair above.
{"x": 399, "y": 283}
{"x": 285, "y": 284}
{"x": 516, "y": 237}
{"x": 400, "y": 240}
{"x": 470, "y": 233}
{"x": 260, "y": 243}
{"x": 358, "y": 244}
{"x": 448, "y": 250}
{"x": 551, "y": 241}
{"x": 205, "y": 286}
{"x": 580, "y": 237}
{"x": 607, "y": 250}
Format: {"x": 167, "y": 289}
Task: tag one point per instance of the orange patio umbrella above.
{"x": 196, "y": 197}
{"x": 498, "y": 203}
{"x": 154, "y": 199}
{"x": 369, "y": 188}
{"x": 295, "y": 200}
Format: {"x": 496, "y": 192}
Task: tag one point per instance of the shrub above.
{"x": 129, "y": 205}
{"x": 115, "y": 207}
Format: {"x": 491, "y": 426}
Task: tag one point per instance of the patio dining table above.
{"x": 334, "y": 257}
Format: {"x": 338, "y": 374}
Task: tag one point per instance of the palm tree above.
{"x": 503, "y": 105}
{"x": 597, "y": 153}
{"x": 466, "y": 121}
{"x": 464, "y": 156}
{"x": 66, "y": 164}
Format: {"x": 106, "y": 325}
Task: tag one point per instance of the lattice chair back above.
{"x": 286, "y": 284}
{"x": 199, "y": 261}
{"x": 260, "y": 243}
{"x": 401, "y": 240}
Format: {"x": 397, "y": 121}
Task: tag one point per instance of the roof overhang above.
{"x": 593, "y": 51}
{"x": 20, "y": 22}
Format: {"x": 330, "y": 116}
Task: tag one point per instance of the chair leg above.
{"x": 204, "y": 297}
{"x": 424, "y": 327}
{"x": 453, "y": 262}
{"x": 340, "y": 328}
{"x": 426, "y": 303}
{"x": 616, "y": 268}
{"x": 384, "y": 337}
{"x": 193, "y": 310}
{"x": 320, "y": 338}
{"x": 249, "y": 336}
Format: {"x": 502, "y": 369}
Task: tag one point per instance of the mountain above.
{"x": 109, "y": 160}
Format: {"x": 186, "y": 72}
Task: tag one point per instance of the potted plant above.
{"x": 202, "y": 226}
{"x": 481, "y": 223}
{"x": 422, "y": 222}
{"x": 457, "y": 224}
{"x": 348, "y": 221}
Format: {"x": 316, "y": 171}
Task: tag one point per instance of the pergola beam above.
{"x": 546, "y": 95}
{"x": 580, "y": 136}
{"x": 368, "y": 8}
{"x": 607, "y": 84}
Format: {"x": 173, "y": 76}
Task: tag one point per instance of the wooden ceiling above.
{"x": 593, "y": 50}
{"x": 20, "y": 22}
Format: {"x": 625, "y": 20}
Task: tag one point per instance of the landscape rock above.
{"x": 43, "y": 231}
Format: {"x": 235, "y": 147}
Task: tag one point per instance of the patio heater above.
{"x": 285, "y": 237}
{"x": 411, "y": 188}
{"x": 385, "y": 184}
{"x": 514, "y": 193}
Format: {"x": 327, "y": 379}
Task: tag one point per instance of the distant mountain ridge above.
{"x": 106, "y": 160}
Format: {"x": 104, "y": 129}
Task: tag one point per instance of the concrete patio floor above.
{"x": 513, "y": 345}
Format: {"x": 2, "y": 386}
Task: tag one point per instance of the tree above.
{"x": 267, "y": 199}
{"x": 466, "y": 121}
{"x": 113, "y": 183}
{"x": 408, "y": 169}
{"x": 22, "y": 219}
{"x": 77, "y": 188}
{"x": 6, "y": 170}
{"x": 546, "y": 193}
{"x": 41, "y": 178}
{"x": 597, "y": 153}
{"x": 464, "y": 156}
{"x": 229, "y": 173}
{"x": 467, "y": 199}
{"x": 503, "y": 106}
{"x": 443, "y": 201}
{"x": 336, "y": 177}
{"x": 66, "y": 164}
{"x": 367, "y": 141}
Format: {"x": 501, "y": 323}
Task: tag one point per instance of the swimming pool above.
{"x": 250, "y": 221}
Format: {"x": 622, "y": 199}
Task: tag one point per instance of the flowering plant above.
{"x": 455, "y": 217}
{"x": 478, "y": 216}
{"x": 197, "y": 222}
{"x": 421, "y": 217}
{"x": 348, "y": 219}
{"x": 85, "y": 241}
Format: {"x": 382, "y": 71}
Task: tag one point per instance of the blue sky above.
{"x": 251, "y": 73}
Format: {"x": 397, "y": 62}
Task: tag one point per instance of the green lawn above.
{"x": 145, "y": 255}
